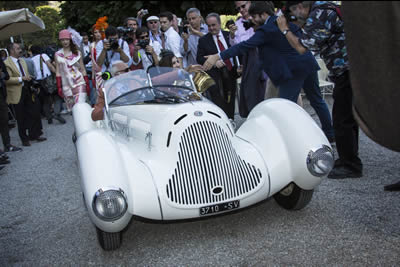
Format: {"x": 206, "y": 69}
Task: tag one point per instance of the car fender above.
{"x": 104, "y": 166}
{"x": 284, "y": 136}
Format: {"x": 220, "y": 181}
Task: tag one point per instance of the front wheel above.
{"x": 293, "y": 197}
{"x": 108, "y": 241}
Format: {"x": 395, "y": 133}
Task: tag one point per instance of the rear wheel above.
{"x": 293, "y": 197}
{"x": 108, "y": 241}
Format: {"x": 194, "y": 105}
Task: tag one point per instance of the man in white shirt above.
{"x": 190, "y": 39}
{"x": 112, "y": 49}
{"x": 43, "y": 68}
{"x": 147, "y": 51}
{"x": 170, "y": 39}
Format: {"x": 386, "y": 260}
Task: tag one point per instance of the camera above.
{"x": 106, "y": 75}
{"x": 288, "y": 16}
{"x": 229, "y": 23}
{"x": 145, "y": 12}
{"x": 113, "y": 43}
{"x": 123, "y": 33}
{"x": 185, "y": 28}
{"x": 247, "y": 24}
{"x": 34, "y": 86}
{"x": 143, "y": 43}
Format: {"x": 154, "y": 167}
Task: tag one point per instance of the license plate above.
{"x": 231, "y": 205}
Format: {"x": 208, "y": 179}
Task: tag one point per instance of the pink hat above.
{"x": 64, "y": 34}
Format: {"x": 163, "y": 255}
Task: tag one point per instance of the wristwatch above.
{"x": 285, "y": 31}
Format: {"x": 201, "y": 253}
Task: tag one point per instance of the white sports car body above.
{"x": 164, "y": 152}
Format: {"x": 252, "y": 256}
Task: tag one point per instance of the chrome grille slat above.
{"x": 206, "y": 158}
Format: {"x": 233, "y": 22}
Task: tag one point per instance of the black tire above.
{"x": 108, "y": 241}
{"x": 74, "y": 138}
{"x": 293, "y": 197}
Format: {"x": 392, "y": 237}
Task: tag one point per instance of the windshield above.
{"x": 169, "y": 86}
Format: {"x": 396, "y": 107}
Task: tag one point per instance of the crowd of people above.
{"x": 272, "y": 51}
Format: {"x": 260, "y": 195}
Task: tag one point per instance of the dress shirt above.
{"x": 113, "y": 56}
{"x": 146, "y": 61}
{"x": 241, "y": 34}
{"x": 222, "y": 39}
{"x": 15, "y": 60}
{"x": 36, "y": 64}
{"x": 173, "y": 41}
{"x": 156, "y": 38}
{"x": 189, "y": 56}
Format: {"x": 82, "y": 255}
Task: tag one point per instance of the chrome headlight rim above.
{"x": 104, "y": 191}
{"x": 311, "y": 161}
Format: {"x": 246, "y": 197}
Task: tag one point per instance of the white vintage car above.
{"x": 164, "y": 152}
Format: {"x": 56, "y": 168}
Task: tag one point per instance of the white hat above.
{"x": 152, "y": 18}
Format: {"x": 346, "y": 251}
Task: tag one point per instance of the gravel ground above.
{"x": 350, "y": 222}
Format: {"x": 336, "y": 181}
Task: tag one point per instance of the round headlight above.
{"x": 321, "y": 161}
{"x": 109, "y": 205}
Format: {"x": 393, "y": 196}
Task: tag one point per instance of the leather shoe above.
{"x": 342, "y": 172}
{"x": 392, "y": 187}
{"x": 60, "y": 119}
{"x": 39, "y": 139}
{"x": 11, "y": 148}
{"x": 4, "y": 161}
{"x": 26, "y": 143}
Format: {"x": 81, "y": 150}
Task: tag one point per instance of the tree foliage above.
{"x": 53, "y": 22}
{"x": 12, "y": 5}
{"x": 81, "y": 15}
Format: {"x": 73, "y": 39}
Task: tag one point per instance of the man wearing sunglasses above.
{"x": 254, "y": 79}
{"x": 153, "y": 24}
{"x": 147, "y": 51}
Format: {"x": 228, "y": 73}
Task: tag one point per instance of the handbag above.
{"x": 48, "y": 84}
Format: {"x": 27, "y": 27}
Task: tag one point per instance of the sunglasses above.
{"x": 153, "y": 22}
{"x": 143, "y": 37}
{"x": 240, "y": 7}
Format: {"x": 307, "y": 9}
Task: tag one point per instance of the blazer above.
{"x": 206, "y": 47}
{"x": 278, "y": 58}
{"x": 14, "y": 87}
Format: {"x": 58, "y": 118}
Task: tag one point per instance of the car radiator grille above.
{"x": 206, "y": 161}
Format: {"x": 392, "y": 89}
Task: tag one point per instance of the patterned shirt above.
{"x": 323, "y": 33}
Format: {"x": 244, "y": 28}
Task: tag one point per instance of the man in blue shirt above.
{"x": 287, "y": 69}
{"x": 323, "y": 33}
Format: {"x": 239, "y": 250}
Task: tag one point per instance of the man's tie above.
{"x": 222, "y": 48}
{"x": 163, "y": 40}
{"x": 21, "y": 68}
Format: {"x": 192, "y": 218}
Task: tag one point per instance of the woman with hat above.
{"x": 72, "y": 80}
{"x": 98, "y": 30}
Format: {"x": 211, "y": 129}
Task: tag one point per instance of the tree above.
{"x": 12, "y": 5}
{"x": 81, "y": 15}
{"x": 53, "y": 22}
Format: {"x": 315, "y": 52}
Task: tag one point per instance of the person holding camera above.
{"x": 112, "y": 49}
{"x": 85, "y": 49}
{"x": 4, "y": 129}
{"x": 324, "y": 33}
{"x": 43, "y": 72}
{"x": 254, "y": 79}
{"x": 147, "y": 51}
{"x": 23, "y": 97}
{"x": 193, "y": 29}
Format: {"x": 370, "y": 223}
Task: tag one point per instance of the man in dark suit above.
{"x": 4, "y": 130}
{"x": 19, "y": 94}
{"x": 287, "y": 69}
{"x": 223, "y": 94}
